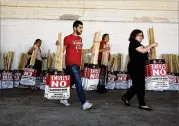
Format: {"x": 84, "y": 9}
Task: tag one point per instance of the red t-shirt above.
{"x": 73, "y": 49}
{"x": 102, "y": 43}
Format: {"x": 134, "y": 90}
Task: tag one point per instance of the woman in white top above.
{"x": 38, "y": 61}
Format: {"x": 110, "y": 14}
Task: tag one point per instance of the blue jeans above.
{"x": 74, "y": 71}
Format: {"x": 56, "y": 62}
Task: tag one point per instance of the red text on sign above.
{"x": 58, "y": 81}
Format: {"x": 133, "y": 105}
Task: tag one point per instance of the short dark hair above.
{"x": 134, "y": 33}
{"x": 37, "y": 40}
{"x": 104, "y": 36}
{"x": 77, "y": 23}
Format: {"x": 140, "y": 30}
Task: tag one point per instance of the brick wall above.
{"x": 150, "y": 11}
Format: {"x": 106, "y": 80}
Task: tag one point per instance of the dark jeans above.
{"x": 74, "y": 71}
{"x": 37, "y": 66}
{"x": 138, "y": 84}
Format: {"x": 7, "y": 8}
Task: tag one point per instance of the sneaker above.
{"x": 87, "y": 105}
{"x": 65, "y": 102}
{"x": 73, "y": 87}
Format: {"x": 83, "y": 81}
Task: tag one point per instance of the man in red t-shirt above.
{"x": 103, "y": 69}
{"x": 73, "y": 47}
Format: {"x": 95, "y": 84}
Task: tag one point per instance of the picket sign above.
{"x": 157, "y": 83}
{"x": 111, "y": 81}
{"x": 42, "y": 85}
{"x": 156, "y": 67}
{"x": 57, "y": 87}
{"x": 121, "y": 81}
{"x": 90, "y": 79}
{"x": 156, "y": 70}
{"x": 173, "y": 81}
{"x": 17, "y": 77}
{"x": 156, "y": 75}
{"x": 28, "y": 77}
{"x": 39, "y": 81}
{"x": 6, "y": 80}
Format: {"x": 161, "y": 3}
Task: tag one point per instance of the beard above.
{"x": 79, "y": 33}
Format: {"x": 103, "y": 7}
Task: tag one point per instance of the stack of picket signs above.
{"x": 57, "y": 83}
{"x": 161, "y": 73}
{"x": 6, "y": 75}
{"x": 172, "y": 62}
{"x": 91, "y": 70}
{"x": 157, "y": 76}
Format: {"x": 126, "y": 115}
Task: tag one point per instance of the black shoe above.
{"x": 145, "y": 108}
{"x": 101, "y": 89}
{"x": 126, "y": 102}
{"x": 33, "y": 88}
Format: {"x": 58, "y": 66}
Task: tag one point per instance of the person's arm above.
{"x": 64, "y": 49}
{"x": 142, "y": 49}
{"x": 65, "y": 44}
{"x": 31, "y": 50}
{"x": 104, "y": 49}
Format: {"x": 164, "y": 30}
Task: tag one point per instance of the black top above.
{"x": 137, "y": 59}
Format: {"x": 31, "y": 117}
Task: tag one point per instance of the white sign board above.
{"x": 158, "y": 83}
